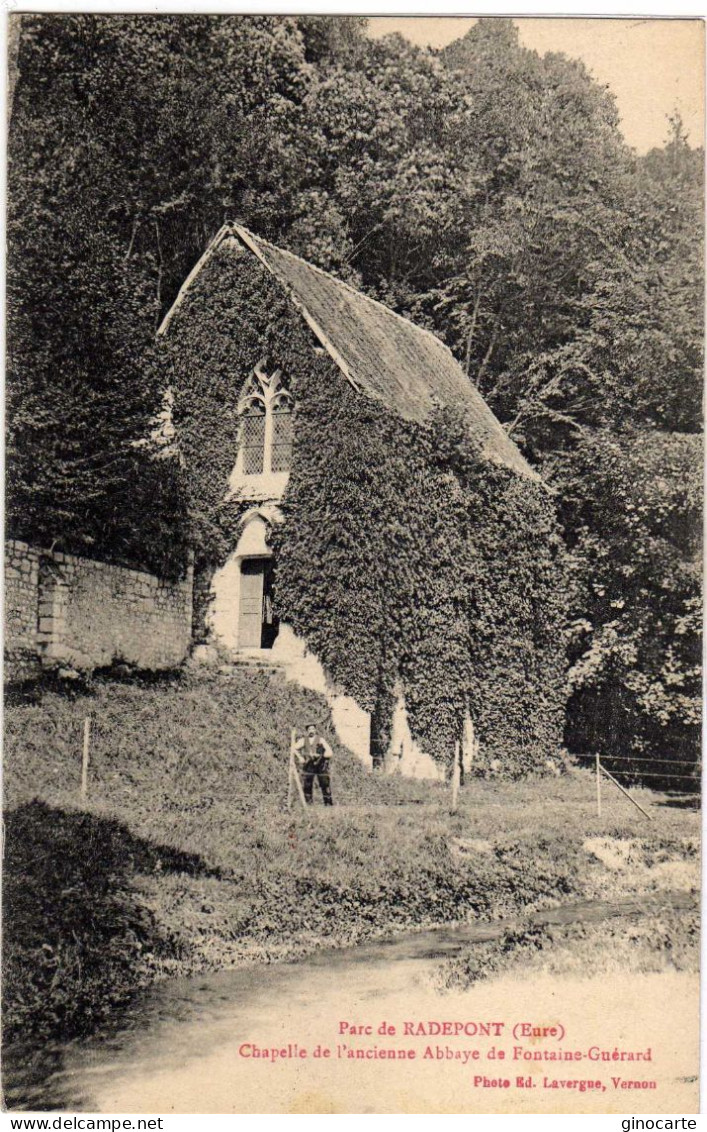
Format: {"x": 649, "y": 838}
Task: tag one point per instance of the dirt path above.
{"x": 190, "y": 1044}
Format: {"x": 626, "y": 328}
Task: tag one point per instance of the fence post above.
{"x": 598, "y": 767}
{"x": 294, "y": 778}
{"x": 289, "y": 769}
{"x": 469, "y": 743}
{"x": 455, "y": 778}
{"x": 84, "y": 761}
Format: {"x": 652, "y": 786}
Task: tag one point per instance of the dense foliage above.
{"x": 483, "y": 190}
{"x": 637, "y": 661}
{"x": 82, "y": 390}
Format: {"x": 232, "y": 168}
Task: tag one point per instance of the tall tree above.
{"x": 80, "y": 317}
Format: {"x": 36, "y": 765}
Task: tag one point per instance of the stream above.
{"x": 187, "y": 1045}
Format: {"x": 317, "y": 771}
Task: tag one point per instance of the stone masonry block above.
{"x": 96, "y": 611}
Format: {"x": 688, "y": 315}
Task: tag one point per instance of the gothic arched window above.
{"x": 266, "y": 424}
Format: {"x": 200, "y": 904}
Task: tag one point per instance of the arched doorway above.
{"x": 257, "y": 624}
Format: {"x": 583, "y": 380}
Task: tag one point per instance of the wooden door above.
{"x": 250, "y": 625}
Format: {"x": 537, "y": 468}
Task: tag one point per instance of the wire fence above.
{"x": 610, "y": 768}
{"x": 636, "y": 776}
{"x": 654, "y": 759}
{"x": 684, "y": 777}
{"x": 626, "y": 767}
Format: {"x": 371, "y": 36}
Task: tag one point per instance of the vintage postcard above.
{"x": 353, "y": 565}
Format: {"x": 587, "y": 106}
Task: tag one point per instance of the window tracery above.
{"x": 266, "y": 423}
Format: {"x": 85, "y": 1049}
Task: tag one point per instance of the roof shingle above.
{"x": 379, "y": 351}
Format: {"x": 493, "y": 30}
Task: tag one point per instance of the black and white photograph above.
{"x": 353, "y": 563}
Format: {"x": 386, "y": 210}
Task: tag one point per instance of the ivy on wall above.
{"x": 405, "y": 560}
{"x": 234, "y": 316}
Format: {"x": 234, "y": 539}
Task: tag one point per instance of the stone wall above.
{"x": 61, "y": 609}
{"x": 21, "y": 595}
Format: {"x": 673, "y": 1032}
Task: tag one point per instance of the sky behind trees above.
{"x": 653, "y": 66}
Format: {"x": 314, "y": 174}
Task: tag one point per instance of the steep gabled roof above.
{"x": 387, "y": 356}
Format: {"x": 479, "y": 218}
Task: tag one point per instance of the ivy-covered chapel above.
{"x": 361, "y": 518}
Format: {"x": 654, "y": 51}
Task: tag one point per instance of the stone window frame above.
{"x": 265, "y": 396}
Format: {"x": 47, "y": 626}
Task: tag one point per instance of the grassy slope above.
{"x": 185, "y": 858}
{"x": 621, "y": 946}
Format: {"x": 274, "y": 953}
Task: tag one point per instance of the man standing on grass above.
{"x": 314, "y": 757}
